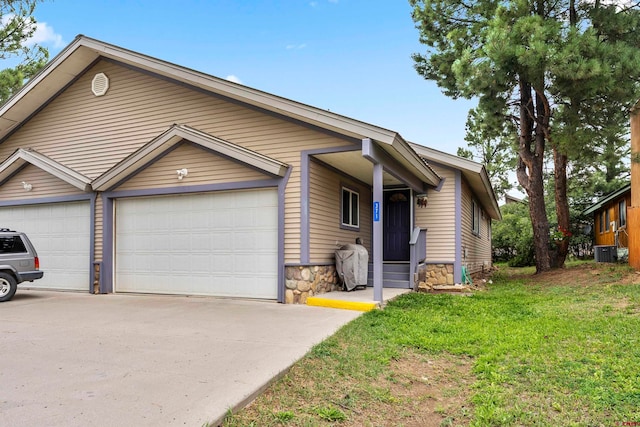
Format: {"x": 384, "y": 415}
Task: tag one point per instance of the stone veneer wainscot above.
{"x": 435, "y": 274}
{"x": 308, "y": 280}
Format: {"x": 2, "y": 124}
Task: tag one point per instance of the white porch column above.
{"x": 377, "y": 232}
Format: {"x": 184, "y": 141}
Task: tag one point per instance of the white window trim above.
{"x": 351, "y": 191}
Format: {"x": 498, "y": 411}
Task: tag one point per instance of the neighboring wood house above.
{"x": 131, "y": 174}
{"x": 610, "y": 218}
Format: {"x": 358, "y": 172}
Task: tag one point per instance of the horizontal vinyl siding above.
{"x": 478, "y": 247}
{"x": 91, "y": 134}
{"x": 203, "y": 167}
{"x": 325, "y": 193}
{"x": 438, "y": 217}
{"x": 43, "y": 185}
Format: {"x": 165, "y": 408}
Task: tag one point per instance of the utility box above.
{"x": 352, "y": 266}
{"x": 605, "y": 253}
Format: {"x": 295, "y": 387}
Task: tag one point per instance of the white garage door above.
{"x": 222, "y": 244}
{"x": 60, "y": 234}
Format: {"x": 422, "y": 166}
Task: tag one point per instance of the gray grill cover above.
{"x": 352, "y": 265}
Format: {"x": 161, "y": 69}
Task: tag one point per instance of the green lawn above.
{"x": 559, "y": 349}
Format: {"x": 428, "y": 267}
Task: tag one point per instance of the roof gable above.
{"x": 21, "y": 157}
{"x": 475, "y": 173}
{"x": 175, "y": 135}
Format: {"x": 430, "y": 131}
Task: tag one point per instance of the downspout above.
{"x": 457, "y": 265}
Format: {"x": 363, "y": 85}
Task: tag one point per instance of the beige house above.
{"x": 131, "y": 174}
{"x": 458, "y": 215}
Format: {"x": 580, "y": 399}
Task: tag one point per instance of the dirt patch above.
{"x": 419, "y": 391}
{"x": 583, "y": 275}
{"x": 416, "y": 390}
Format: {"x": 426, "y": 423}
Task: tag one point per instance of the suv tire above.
{"x": 8, "y": 286}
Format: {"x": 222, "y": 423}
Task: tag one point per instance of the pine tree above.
{"x": 18, "y": 26}
{"x": 560, "y": 74}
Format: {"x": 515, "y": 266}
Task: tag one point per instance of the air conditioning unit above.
{"x": 605, "y": 253}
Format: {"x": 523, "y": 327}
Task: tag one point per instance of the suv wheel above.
{"x": 8, "y": 286}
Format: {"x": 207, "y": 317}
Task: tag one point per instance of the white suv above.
{"x": 18, "y": 262}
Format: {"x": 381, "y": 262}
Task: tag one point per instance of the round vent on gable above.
{"x": 100, "y": 84}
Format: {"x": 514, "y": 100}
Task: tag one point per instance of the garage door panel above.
{"x": 221, "y": 243}
{"x": 201, "y": 243}
{"x": 60, "y": 233}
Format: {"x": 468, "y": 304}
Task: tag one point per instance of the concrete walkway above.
{"x": 71, "y": 359}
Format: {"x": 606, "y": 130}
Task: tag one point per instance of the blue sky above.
{"x": 352, "y": 57}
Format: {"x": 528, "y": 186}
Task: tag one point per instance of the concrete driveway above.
{"x": 70, "y": 359}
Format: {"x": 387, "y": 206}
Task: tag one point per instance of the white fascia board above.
{"x": 411, "y": 158}
{"x": 11, "y": 165}
{"x": 83, "y": 51}
{"x": 21, "y": 156}
{"x": 65, "y": 73}
{"x": 135, "y": 161}
{"x": 473, "y": 170}
{"x": 229, "y": 149}
{"x": 447, "y": 159}
{"x": 173, "y": 136}
{"x": 495, "y": 208}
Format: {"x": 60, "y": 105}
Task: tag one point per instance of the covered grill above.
{"x": 352, "y": 264}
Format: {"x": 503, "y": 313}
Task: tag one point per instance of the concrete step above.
{"x": 393, "y": 276}
{"x": 395, "y": 268}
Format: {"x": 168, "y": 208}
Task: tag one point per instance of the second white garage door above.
{"x": 222, "y": 244}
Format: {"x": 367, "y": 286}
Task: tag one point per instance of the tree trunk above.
{"x": 562, "y": 207}
{"x": 530, "y": 173}
{"x": 538, "y": 214}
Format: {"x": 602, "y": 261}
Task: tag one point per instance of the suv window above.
{"x": 11, "y": 245}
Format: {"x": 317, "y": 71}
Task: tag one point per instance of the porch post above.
{"x": 377, "y": 232}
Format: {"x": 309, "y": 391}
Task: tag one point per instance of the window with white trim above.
{"x": 475, "y": 217}
{"x": 350, "y": 208}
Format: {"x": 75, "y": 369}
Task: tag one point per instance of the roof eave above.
{"x": 607, "y": 198}
{"x": 472, "y": 170}
{"x": 21, "y": 156}
{"x": 84, "y": 51}
{"x": 412, "y": 160}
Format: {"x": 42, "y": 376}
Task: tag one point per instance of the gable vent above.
{"x": 100, "y": 84}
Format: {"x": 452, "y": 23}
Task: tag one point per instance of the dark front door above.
{"x": 397, "y": 227}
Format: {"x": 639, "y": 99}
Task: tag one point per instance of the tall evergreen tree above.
{"x": 491, "y": 144}
{"x": 561, "y": 73}
{"x": 17, "y": 27}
